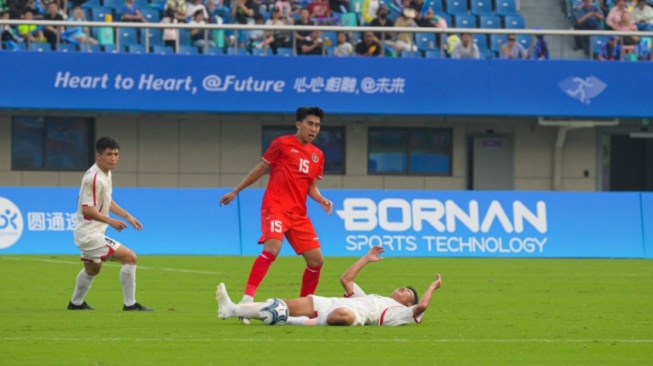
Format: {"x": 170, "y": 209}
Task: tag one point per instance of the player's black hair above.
{"x": 414, "y": 293}
{"x": 303, "y": 112}
{"x": 104, "y": 143}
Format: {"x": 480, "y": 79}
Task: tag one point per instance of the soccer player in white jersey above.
{"x": 355, "y": 308}
{"x": 93, "y": 207}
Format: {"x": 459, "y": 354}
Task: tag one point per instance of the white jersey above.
{"x": 95, "y": 191}
{"x": 369, "y": 309}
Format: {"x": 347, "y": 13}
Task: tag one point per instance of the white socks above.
{"x": 82, "y": 285}
{"x": 249, "y": 311}
{"x": 298, "y": 320}
{"x": 128, "y": 282}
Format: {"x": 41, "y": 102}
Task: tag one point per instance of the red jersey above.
{"x": 293, "y": 168}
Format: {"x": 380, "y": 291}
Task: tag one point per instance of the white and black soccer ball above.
{"x": 274, "y": 312}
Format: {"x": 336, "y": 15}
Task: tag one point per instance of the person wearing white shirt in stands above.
{"x": 466, "y": 48}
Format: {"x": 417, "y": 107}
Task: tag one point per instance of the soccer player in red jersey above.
{"x": 295, "y": 167}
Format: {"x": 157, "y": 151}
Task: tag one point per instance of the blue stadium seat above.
{"x": 153, "y": 36}
{"x": 285, "y": 51}
{"x": 436, "y": 5}
{"x": 525, "y": 40}
{"x": 597, "y": 42}
{"x": 152, "y": 15}
{"x": 237, "y": 51}
{"x": 457, "y": 7}
{"x": 158, "y": 4}
{"x": 482, "y": 7}
{"x": 163, "y": 50}
{"x": 481, "y": 41}
{"x": 261, "y": 52}
{"x": 127, "y": 36}
{"x": 514, "y": 21}
{"x": 10, "y": 47}
{"x": 496, "y": 41}
{"x": 94, "y": 48}
{"x": 425, "y": 41}
{"x": 409, "y": 54}
{"x": 465, "y": 21}
{"x": 40, "y": 47}
{"x": 141, "y": 4}
{"x": 115, "y": 4}
{"x": 188, "y": 50}
{"x": 111, "y": 48}
{"x": 506, "y": 7}
{"x": 135, "y": 48}
{"x": 332, "y": 36}
{"x": 91, "y": 4}
{"x": 184, "y": 37}
{"x": 99, "y": 12}
{"x": 490, "y": 22}
{"x": 66, "y": 47}
{"x": 433, "y": 54}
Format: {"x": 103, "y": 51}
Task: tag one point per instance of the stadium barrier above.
{"x": 408, "y": 223}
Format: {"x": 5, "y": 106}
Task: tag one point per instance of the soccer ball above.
{"x": 274, "y": 312}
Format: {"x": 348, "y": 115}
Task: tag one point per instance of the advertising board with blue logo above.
{"x": 342, "y": 85}
{"x": 175, "y": 221}
{"x": 406, "y": 223}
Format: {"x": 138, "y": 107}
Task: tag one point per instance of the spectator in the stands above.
{"x": 343, "y": 48}
{"x": 313, "y": 44}
{"x": 588, "y": 17}
{"x": 286, "y": 7}
{"x": 616, "y": 14}
{"x": 196, "y": 5}
{"x": 513, "y": 49}
{"x": 131, "y": 13}
{"x": 277, "y": 38}
{"x": 466, "y": 48}
{"x": 610, "y": 51}
{"x": 7, "y": 35}
{"x": 432, "y": 20}
{"x": 242, "y": 10}
{"x": 177, "y": 8}
{"x": 405, "y": 41}
{"x": 541, "y": 48}
{"x": 200, "y": 36}
{"x": 319, "y": 9}
{"x": 643, "y": 16}
{"x": 81, "y": 35}
{"x": 53, "y": 33}
{"x": 304, "y": 20}
{"x": 369, "y": 46}
{"x": 339, "y": 6}
{"x": 30, "y": 32}
{"x": 382, "y": 20}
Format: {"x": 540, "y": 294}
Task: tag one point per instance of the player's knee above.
{"x": 92, "y": 271}
{"x": 341, "y": 316}
{"x": 315, "y": 262}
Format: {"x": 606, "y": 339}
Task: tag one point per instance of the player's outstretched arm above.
{"x": 117, "y": 210}
{"x": 255, "y": 174}
{"x": 425, "y": 301}
{"x": 315, "y": 194}
{"x": 347, "y": 279}
{"x": 93, "y": 214}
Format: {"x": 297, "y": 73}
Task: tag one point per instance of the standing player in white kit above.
{"x": 93, "y": 207}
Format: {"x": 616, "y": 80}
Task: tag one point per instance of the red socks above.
{"x": 310, "y": 280}
{"x": 258, "y": 272}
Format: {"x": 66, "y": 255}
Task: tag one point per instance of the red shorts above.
{"x": 297, "y": 229}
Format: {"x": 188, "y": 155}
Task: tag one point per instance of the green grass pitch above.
{"x": 488, "y": 312}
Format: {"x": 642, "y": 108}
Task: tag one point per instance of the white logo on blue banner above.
{"x": 11, "y": 223}
{"x": 582, "y": 89}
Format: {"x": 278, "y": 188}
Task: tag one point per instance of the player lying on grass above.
{"x": 355, "y": 308}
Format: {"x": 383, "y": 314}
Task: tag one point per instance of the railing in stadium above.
{"x": 146, "y": 32}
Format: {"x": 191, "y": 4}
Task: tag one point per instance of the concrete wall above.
{"x": 219, "y": 150}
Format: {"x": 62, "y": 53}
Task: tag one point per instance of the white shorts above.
{"x": 98, "y": 249}
{"x": 323, "y": 306}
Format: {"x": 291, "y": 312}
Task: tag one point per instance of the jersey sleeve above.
{"x": 90, "y": 192}
{"x": 399, "y": 315}
{"x": 273, "y": 152}
{"x": 320, "y": 170}
{"x": 357, "y": 292}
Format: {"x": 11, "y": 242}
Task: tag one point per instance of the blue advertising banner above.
{"x": 358, "y": 85}
{"x": 647, "y": 223}
{"x": 175, "y": 221}
{"x": 468, "y": 224}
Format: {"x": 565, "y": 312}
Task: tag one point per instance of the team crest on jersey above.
{"x": 314, "y": 157}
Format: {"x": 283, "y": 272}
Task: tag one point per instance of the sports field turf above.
{"x": 488, "y": 312}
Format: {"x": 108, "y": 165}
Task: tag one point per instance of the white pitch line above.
{"x": 321, "y": 340}
{"x": 115, "y": 264}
